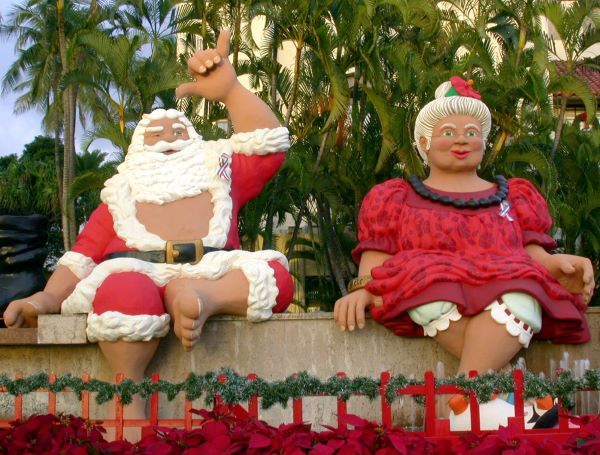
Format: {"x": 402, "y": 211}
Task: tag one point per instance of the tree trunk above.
{"x": 336, "y": 245}
{"x": 320, "y": 154}
{"x": 68, "y": 215}
{"x": 68, "y": 208}
{"x": 296, "y": 81}
{"x": 269, "y": 224}
{"x": 559, "y": 125}
{"x": 302, "y": 208}
{"x": 332, "y": 259}
{"x": 324, "y": 248}
{"x": 273, "y": 95}
{"x": 57, "y": 128}
{"x": 523, "y": 32}
{"x": 498, "y": 146}
{"x": 236, "y": 14}
{"x": 295, "y": 233}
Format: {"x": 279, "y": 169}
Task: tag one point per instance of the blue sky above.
{"x": 18, "y": 130}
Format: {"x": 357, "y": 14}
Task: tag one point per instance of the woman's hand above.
{"x": 349, "y": 311}
{"x": 574, "y": 273}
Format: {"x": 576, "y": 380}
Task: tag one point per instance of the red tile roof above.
{"x": 590, "y": 75}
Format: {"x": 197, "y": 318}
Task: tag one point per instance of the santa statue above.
{"x": 163, "y": 247}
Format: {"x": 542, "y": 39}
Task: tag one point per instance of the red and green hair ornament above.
{"x": 460, "y": 87}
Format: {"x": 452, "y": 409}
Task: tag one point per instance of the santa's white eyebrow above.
{"x": 472, "y": 125}
{"x": 154, "y": 129}
{"x": 178, "y": 126}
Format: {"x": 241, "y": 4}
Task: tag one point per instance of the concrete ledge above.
{"x": 52, "y": 329}
{"x": 275, "y": 349}
{"x": 70, "y": 328}
{"x": 285, "y": 344}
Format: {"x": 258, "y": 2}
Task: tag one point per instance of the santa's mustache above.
{"x": 164, "y": 146}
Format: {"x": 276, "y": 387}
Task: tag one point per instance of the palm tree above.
{"x": 577, "y": 204}
{"x": 577, "y": 26}
{"x": 125, "y": 85}
{"x": 92, "y": 170}
{"x": 45, "y": 32}
{"x": 28, "y": 184}
{"x": 199, "y": 22}
{"x": 154, "y": 19}
{"x": 360, "y": 73}
{"x": 36, "y": 71}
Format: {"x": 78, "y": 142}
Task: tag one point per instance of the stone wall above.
{"x": 275, "y": 349}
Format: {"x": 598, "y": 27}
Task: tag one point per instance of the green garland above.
{"x": 237, "y": 389}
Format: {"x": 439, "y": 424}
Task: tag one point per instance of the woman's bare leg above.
{"x": 480, "y": 343}
{"x": 487, "y": 346}
{"x": 452, "y": 339}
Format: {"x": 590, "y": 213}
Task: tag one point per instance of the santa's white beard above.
{"x": 159, "y": 178}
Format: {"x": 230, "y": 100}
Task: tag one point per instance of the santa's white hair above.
{"x": 137, "y": 141}
{"x": 444, "y": 106}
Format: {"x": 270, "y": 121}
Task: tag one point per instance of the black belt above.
{"x": 174, "y": 253}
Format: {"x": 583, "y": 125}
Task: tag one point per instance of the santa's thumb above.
{"x": 186, "y": 89}
{"x": 223, "y": 43}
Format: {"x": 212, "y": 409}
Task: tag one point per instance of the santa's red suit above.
{"x": 123, "y": 296}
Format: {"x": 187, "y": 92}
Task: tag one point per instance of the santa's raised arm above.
{"x": 246, "y": 110}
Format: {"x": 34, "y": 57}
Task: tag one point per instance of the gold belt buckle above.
{"x": 171, "y": 254}
{"x": 169, "y": 257}
{"x": 199, "y": 250}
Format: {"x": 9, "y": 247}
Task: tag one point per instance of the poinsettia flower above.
{"x": 399, "y": 443}
{"x": 321, "y": 449}
{"x": 258, "y": 441}
{"x": 389, "y": 451}
{"x": 464, "y": 88}
{"x": 117, "y": 447}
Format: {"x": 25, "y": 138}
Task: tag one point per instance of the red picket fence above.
{"x": 432, "y": 426}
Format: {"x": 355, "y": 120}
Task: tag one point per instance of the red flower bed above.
{"x": 230, "y": 430}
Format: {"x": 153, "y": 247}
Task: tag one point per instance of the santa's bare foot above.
{"x": 22, "y": 313}
{"x": 190, "y": 312}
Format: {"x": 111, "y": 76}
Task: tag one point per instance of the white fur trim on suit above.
{"x": 113, "y": 326}
{"x": 118, "y": 197}
{"x": 77, "y": 263}
{"x": 261, "y": 142}
{"x": 262, "y": 293}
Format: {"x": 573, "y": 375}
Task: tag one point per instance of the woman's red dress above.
{"x": 466, "y": 256}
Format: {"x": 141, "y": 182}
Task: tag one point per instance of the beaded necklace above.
{"x": 472, "y": 203}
